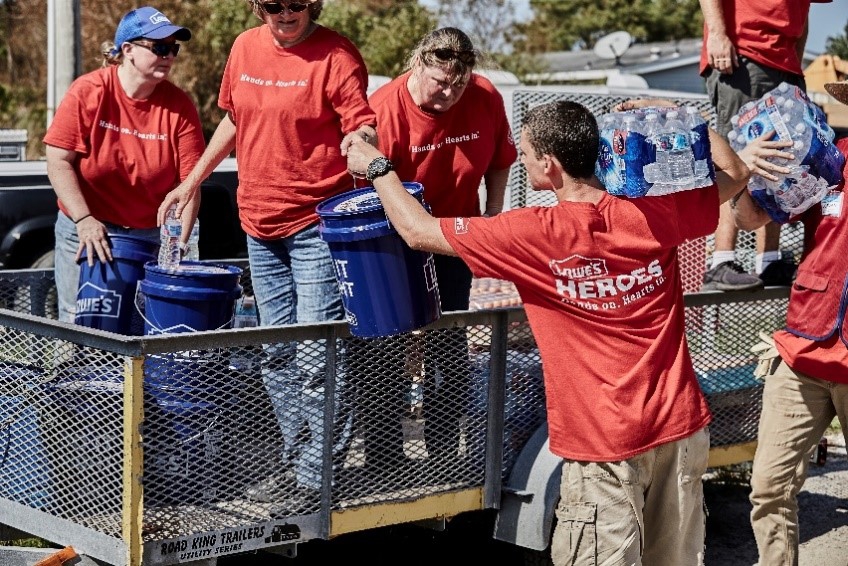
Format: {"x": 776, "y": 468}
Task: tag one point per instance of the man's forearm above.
{"x": 713, "y": 17}
{"x": 415, "y": 225}
{"x": 496, "y": 180}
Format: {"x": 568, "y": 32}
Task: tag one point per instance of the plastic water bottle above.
{"x": 192, "y": 247}
{"x": 610, "y": 163}
{"x": 169, "y": 244}
{"x": 656, "y": 169}
{"x": 802, "y": 137}
{"x": 815, "y": 150}
{"x": 699, "y": 134}
{"x": 799, "y": 190}
{"x": 794, "y": 112}
{"x": 735, "y": 141}
{"x": 681, "y": 169}
{"x": 632, "y": 163}
{"x": 246, "y": 314}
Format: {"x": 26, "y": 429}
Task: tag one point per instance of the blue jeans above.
{"x": 294, "y": 282}
{"x": 66, "y": 271}
{"x": 447, "y": 364}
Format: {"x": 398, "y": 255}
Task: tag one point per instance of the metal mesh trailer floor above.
{"x": 177, "y": 448}
{"x": 145, "y": 447}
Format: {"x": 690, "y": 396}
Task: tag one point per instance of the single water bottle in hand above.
{"x": 170, "y": 235}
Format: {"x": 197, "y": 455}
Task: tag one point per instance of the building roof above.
{"x": 639, "y": 59}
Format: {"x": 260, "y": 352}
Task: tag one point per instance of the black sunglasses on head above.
{"x": 275, "y": 8}
{"x": 466, "y": 57}
{"x": 160, "y": 49}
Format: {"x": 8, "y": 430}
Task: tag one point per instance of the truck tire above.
{"x": 44, "y": 261}
{"x": 39, "y": 299}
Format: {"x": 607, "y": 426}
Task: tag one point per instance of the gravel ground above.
{"x": 823, "y": 516}
{"x": 730, "y": 541}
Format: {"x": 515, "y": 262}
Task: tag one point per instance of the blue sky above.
{"x": 826, "y": 20}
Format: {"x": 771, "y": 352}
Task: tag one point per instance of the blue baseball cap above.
{"x": 148, "y": 23}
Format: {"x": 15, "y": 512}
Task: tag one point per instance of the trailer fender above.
{"x": 529, "y": 497}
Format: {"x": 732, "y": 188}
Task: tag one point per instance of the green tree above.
{"x": 838, "y": 45}
{"x": 23, "y": 69}
{"x": 384, "y": 32}
{"x": 561, "y": 24}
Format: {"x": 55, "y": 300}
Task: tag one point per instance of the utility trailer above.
{"x": 141, "y": 449}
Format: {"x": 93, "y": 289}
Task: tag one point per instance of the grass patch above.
{"x": 32, "y": 542}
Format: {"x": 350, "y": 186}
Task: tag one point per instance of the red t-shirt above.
{"x": 602, "y": 291}
{"x": 449, "y": 152}
{"x": 131, "y": 153}
{"x": 292, "y": 107}
{"x": 765, "y": 31}
{"x": 815, "y": 338}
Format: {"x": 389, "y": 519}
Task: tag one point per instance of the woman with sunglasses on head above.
{"x": 445, "y": 127}
{"x": 121, "y": 139}
{"x": 294, "y": 93}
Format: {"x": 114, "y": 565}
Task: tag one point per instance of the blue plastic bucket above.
{"x": 189, "y": 403}
{"x": 387, "y": 288}
{"x": 25, "y": 474}
{"x": 106, "y": 292}
{"x": 196, "y": 296}
{"x": 84, "y": 436}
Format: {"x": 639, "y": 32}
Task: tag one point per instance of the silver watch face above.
{"x": 378, "y": 168}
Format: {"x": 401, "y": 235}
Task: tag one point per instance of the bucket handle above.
{"x": 139, "y": 304}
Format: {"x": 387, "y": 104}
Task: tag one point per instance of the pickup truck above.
{"x": 29, "y": 208}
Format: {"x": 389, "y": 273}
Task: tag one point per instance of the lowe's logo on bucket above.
{"x": 95, "y": 301}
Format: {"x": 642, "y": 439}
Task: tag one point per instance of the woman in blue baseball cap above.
{"x": 121, "y": 139}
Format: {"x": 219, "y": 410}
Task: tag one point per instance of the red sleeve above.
{"x": 348, "y": 94}
{"x": 697, "y": 212}
{"x": 190, "y": 142}
{"x": 505, "y": 152}
{"x": 71, "y": 123}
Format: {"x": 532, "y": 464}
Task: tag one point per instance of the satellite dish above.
{"x": 613, "y": 45}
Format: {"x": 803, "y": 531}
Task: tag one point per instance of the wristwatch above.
{"x": 377, "y": 168}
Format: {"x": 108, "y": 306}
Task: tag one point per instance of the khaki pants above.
{"x": 645, "y": 510}
{"x": 797, "y": 410}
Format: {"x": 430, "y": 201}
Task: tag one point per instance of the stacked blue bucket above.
{"x": 188, "y": 391}
{"x": 185, "y": 392}
{"x": 195, "y": 296}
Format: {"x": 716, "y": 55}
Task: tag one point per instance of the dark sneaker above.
{"x": 779, "y": 273}
{"x": 729, "y": 276}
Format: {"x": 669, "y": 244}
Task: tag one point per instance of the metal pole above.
{"x": 64, "y": 55}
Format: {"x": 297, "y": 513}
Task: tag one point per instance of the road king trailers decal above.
{"x": 220, "y": 543}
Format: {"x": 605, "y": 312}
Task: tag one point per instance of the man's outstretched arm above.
{"x": 415, "y": 225}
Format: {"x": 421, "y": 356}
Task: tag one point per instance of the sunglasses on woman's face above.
{"x": 466, "y": 57}
{"x": 160, "y": 49}
{"x": 275, "y": 8}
